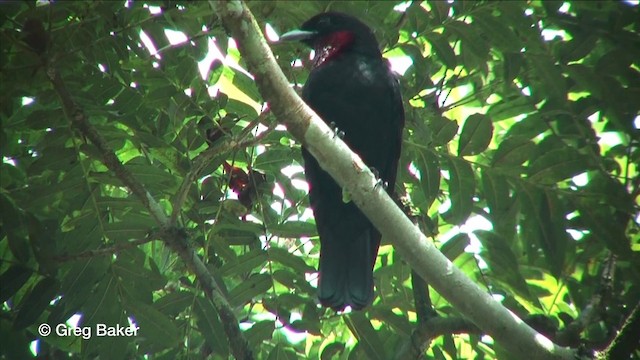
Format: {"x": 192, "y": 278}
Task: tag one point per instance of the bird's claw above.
{"x": 379, "y": 181}
{"x": 336, "y": 131}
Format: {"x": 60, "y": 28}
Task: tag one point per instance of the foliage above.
{"x": 521, "y": 114}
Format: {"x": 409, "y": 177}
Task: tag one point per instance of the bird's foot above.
{"x": 379, "y": 181}
{"x": 336, "y": 131}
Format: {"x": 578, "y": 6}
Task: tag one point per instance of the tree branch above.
{"x": 237, "y": 342}
{"x": 174, "y": 238}
{"x": 626, "y": 342}
{"x": 592, "y": 312}
{"x": 351, "y": 173}
{"x": 204, "y": 158}
{"x": 109, "y": 158}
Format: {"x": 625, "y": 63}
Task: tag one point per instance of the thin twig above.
{"x": 204, "y": 158}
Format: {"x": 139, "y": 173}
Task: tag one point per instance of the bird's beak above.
{"x": 297, "y": 35}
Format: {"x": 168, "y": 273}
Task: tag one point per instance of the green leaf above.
{"x": 449, "y": 346}
{"x": 281, "y": 352}
{"x": 151, "y": 175}
{"x": 160, "y": 96}
{"x": 274, "y": 159}
{"x": 306, "y": 326}
{"x": 512, "y": 65}
{"x": 455, "y": 246}
{"x": 128, "y": 100}
{"x": 15, "y": 344}
{"x": 104, "y": 89}
{"x": 503, "y": 262}
{"x": 215, "y": 71}
{"x": 12, "y": 280}
{"x": 461, "y": 191}
{"x": 11, "y": 176}
{"x": 513, "y": 151}
{"x": 210, "y": 326}
{"x": 500, "y": 34}
{"x": 586, "y": 80}
{"x": 367, "y": 337}
{"x": 293, "y": 229}
{"x": 284, "y": 257}
{"x": 257, "y": 284}
{"x": 174, "y": 303}
{"x": 245, "y": 263}
{"x": 260, "y": 331}
{"x": 331, "y": 350}
{"x": 158, "y": 331}
{"x": 292, "y": 280}
{"x": 474, "y": 50}
{"x": 283, "y": 304}
{"x": 544, "y": 223}
{"x": 552, "y": 83}
{"x": 102, "y": 308}
{"x": 558, "y": 165}
{"x": 238, "y": 236}
{"x": 15, "y": 227}
{"x": 607, "y": 226}
{"x": 134, "y": 226}
{"x": 186, "y": 71}
{"x": 442, "y": 49}
{"x": 471, "y": 38}
{"x": 399, "y": 323}
{"x": 442, "y": 129}
{"x": 476, "y": 135}
{"x": 440, "y": 10}
{"x": 530, "y": 127}
{"x": 429, "y": 167}
{"x": 137, "y": 281}
{"x": 43, "y": 237}
{"x": 44, "y": 119}
{"x": 496, "y": 192}
{"x": 53, "y": 159}
{"x": 510, "y": 107}
{"x": 578, "y": 47}
{"x": 237, "y": 107}
{"x": 78, "y": 283}
{"x": 33, "y": 304}
{"x": 244, "y": 83}
{"x": 616, "y": 61}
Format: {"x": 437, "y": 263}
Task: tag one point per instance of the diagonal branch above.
{"x": 109, "y": 158}
{"x": 237, "y": 342}
{"x": 350, "y": 173}
{"x": 625, "y": 343}
{"x": 174, "y": 238}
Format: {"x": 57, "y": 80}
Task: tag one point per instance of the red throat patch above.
{"x": 331, "y": 45}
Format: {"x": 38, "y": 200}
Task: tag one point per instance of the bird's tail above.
{"x": 346, "y": 270}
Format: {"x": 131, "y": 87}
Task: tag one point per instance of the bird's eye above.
{"x": 324, "y": 21}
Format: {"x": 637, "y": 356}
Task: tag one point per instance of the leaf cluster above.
{"x": 519, "y": 158}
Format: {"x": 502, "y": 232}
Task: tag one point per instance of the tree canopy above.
{"x": 145, "y": 181}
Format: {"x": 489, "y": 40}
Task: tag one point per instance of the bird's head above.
{"x": 333, "y": 33}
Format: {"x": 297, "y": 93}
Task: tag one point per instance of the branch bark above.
{"x": 350, "y": 172}
{"x": 626, "y": 342}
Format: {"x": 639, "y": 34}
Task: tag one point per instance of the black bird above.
{"x": 352, "y": 86}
